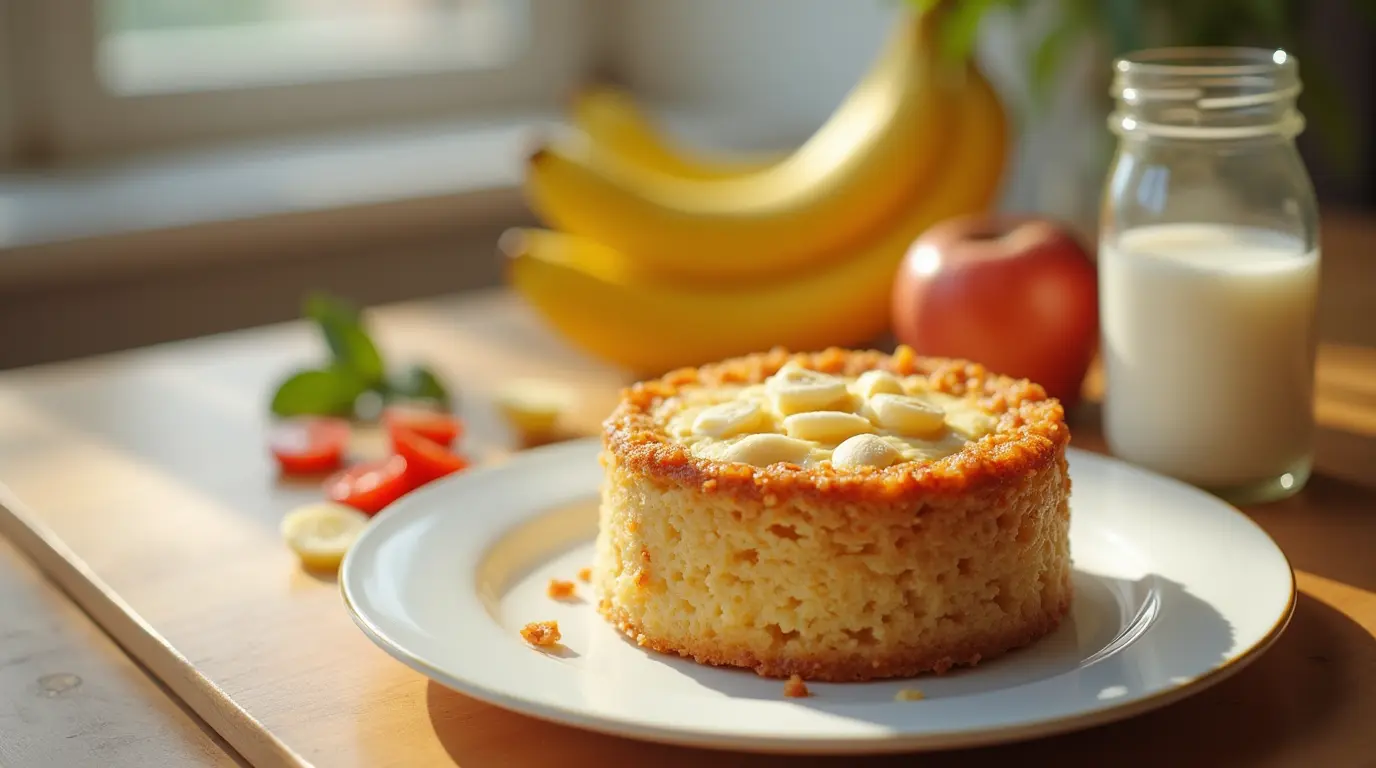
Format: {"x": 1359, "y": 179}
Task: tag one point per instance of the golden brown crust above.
{"x": 1031, "y": 432}
{"x": 844, "y": 668}
{"x": 541, "y": 633}
{"x": 795, "y": 688}
{"x": 559, "y": 589}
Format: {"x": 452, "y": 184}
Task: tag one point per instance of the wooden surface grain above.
{"x": 70, "y": 697}
{"x": 140, "y": 483}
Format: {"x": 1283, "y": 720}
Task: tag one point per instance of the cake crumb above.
{"x": 909, "y": 694}
{"x": 541, "y": 633}
{"x": 585, "y": 574}
{"x": 795, "y": 688}
{"x": 559, "y": 589}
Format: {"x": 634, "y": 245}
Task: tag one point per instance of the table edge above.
{"x": 137, "y": 638}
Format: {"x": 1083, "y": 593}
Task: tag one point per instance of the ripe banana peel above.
{"x": 606, "y": 303}
{"x": 870, "y": 159}
{"x": 610, "y": 118}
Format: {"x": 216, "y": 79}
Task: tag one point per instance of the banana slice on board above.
{"x": 534, "y": 407}
{"x": 321, "y": 533}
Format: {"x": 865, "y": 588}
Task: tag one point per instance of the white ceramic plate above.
{"x": 1175, "y": 590}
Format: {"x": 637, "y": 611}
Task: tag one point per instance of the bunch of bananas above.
{"x": 660, "y": 257}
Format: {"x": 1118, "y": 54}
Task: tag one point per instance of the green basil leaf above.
{"x": 350, "y": 346}
{"x": 317, "y": 392}
{"x": 419, "y": 382}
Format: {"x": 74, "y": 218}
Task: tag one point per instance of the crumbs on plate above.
{"x": 585, "y": 574}
{"x": 559, "y": 589}
{"x": 909, "y": 694}
{"x": 795, "y": 688}
{"x": 541, "y": 633}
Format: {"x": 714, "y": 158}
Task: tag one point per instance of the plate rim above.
{"x": 765, "y": 743}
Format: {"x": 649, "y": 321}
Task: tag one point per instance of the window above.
{"x": 174, "y": 46}
{"x": 6, "y": 92}
{"x": 108, "y": 76}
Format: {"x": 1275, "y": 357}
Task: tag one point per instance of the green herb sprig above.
{"x": 355, "y": 368}
{"x": 1123, "y": 26}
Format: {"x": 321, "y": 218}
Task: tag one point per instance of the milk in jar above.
{"x": 1208, "y": 345}
{"x": 1209, "y": 262}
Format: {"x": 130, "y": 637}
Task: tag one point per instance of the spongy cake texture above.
{"x": 838, "y": 576}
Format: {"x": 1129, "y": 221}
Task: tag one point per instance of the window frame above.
{"x": 81, "y": 119}
{"x": 8, "y": 106}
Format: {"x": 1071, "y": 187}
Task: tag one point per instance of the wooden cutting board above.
{"x": 141, "y": 483}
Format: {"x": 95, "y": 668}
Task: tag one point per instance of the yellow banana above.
{"x": 611, "y": 119}
{"x": 854, "y": 175}
{"x": 604, "y": 303}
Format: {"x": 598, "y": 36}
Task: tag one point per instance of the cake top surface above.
{"x": 836, "y": 421}
{"x": 806, "y": 417}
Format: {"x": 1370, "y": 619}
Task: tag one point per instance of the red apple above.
{"x": 1017, "y": 294}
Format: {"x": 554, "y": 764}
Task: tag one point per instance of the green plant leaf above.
{"x": 317, "y": 392}
{"x": 420, "y": 382}
{"x": 1047, "y": 60}
{"x": 960, "y": 27}
{"x": 350, "y": 346}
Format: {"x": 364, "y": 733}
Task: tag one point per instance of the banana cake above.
{"x": 840, "y": 516}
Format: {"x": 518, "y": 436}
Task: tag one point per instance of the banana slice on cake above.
{"x": 906, "y": 415}
{"x": 795, "y": 389}
{"x": 864, "y": 451}
{"x": 769, "y": 448}
{"x": 736, "y": 417}
{"x": 826, "y": 426}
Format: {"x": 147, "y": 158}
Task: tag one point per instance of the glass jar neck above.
{"x": 1206, "y": 94}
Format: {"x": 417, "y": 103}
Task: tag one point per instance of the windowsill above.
{"x": 305, "y": 194}
{"x": 140, "y": 62}
{"x": 237, "y": 202}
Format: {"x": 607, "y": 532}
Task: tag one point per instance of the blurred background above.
{"x": 170, "y": 168}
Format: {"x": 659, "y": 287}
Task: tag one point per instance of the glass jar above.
{"x": 1209, "y": 272}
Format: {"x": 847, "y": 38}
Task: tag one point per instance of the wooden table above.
{"x": 70, "y": 697}
{"x": 140, "y": 483}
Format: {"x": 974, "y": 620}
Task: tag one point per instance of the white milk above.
{"x": 1208, "y": 349}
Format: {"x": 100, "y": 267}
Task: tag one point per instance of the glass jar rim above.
{"x": 1206, "y": 93}
{"x": 1201, "y": 60}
